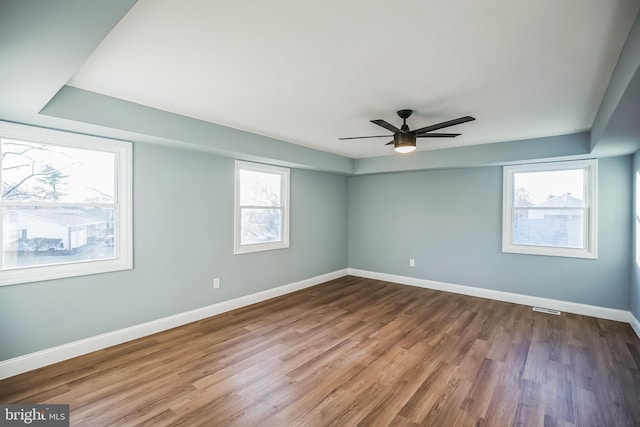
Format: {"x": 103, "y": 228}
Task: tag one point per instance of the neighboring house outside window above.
{"x": 551, "y": 209}
{"x": 66, "y": 204}
{"x": 261, "y": 207}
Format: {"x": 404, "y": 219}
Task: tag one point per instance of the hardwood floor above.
{"x": 357, "y": 351}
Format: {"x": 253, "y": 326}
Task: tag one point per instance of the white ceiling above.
{"x": 311, "y": 72}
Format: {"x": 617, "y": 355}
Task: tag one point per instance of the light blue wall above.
{"x": 153, "y": 125}
{"x": 635, "y": 265}
{"x": 450, "y": 222}
{"x": 183, "y": 237}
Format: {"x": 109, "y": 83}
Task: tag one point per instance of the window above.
{"x": 261, "y": 207}
{"x": 551, "y": 209}
{"x": 66, "y": 204}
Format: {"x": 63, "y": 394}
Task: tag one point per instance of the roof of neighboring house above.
{"x": 74, "y": 217}
{"x": 562, "y": 201}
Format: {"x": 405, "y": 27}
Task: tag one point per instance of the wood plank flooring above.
{"x": 352, "y": 352}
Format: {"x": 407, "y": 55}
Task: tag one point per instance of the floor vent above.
{"x": 546, "y": 310}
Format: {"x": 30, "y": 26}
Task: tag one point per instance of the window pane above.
{"x": 259, "y": 189}
{"x": 549, "y": 188}
{"x": 260, "y": 226}
{"x": 549, "y": 227}
{"x": 49, "y": 236}
{"x": 40, "y": 172}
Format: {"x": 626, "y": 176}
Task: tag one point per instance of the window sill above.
{"x": 260, "y": 247}
{"x": 38, "y": 274}
{"x": 549, "y": 251}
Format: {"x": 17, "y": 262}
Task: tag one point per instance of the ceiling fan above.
{"x": 404, "y": 139}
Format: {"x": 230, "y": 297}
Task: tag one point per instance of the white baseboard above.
{"x": 570, "y": 307}
{"x": 28, "y": 362}
{"x": 635, "y": 324}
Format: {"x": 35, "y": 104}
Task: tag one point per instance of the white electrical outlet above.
{"x": 412, "y": 262}
{"x": 216, "y": 283}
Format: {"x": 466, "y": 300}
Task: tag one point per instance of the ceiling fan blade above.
{"x": 386, "y": 125}
{"x": 444, "y": 124}
{"x": 438, "y": 135}
{"x": 360, "y": 137}
{"x": 389, "y": 143}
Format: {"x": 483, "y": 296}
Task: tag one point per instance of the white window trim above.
{"x": 590, "y": 250}
{"x": 259, "y": 247}
{"x": 123, "y": 259}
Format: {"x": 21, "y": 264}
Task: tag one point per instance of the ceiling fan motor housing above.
{"x": 404, "y": 140}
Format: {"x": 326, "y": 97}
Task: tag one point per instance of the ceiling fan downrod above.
{"x": 404, "y": 115}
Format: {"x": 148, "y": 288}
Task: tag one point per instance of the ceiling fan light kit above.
{"x": 404, "y": 139}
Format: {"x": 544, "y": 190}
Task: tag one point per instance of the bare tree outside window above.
{"x": 58, "y": 204}
{"x": 260, "y": 201}
{"x": 523, "y": 197}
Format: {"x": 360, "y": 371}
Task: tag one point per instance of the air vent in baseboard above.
{"x": 546, "y": 310}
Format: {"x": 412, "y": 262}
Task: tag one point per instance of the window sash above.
{"x": 584, "y": 227}
{"x": 248, "y": 226}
